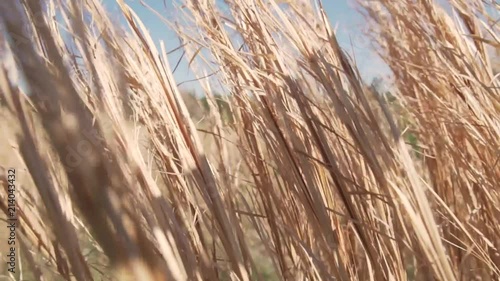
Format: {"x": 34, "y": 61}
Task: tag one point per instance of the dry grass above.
{"x": 311, "y": 180}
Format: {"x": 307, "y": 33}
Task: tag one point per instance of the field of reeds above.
{"x": 299, "y": 170}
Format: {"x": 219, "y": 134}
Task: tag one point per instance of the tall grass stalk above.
{"x": 311, "y": 179}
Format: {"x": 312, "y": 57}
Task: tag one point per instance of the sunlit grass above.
{"x": 299, "y": 171}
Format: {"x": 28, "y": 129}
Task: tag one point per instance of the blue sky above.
{"x": 342, "y": 14}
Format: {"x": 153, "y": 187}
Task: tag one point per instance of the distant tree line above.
{"x": 198, "y": 106}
